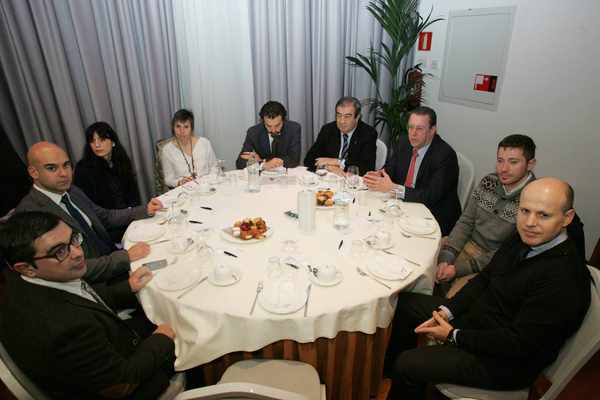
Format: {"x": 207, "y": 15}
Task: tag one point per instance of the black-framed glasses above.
{"x": 62, "y": 251}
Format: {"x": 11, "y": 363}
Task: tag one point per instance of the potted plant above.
{"x": 401, "y": 21}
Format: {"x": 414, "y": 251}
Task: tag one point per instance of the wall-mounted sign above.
{"x": 485, "y": 83}
{"x": 425, "y": 41}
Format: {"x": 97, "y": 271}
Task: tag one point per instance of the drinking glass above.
{"x": 352, "y": 178}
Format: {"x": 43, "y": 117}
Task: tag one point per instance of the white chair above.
{"x": 263, "y": 379}
{"x": 466, "y": 177}
{"x": 381, "y": 154}
{"x": 574, "y": 354}
{"x": 23, "y": 388}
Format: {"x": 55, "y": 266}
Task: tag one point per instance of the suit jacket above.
{"x": 361, "y": 151}
{"x": 100, "y": 266}
{"x": 288, "y": 144}
{"x": 74, "y": 348}
{"x": 521, "y": 311}
{"x": 436, "y": 182}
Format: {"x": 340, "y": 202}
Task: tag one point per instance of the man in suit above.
{"x": 345, "y": 142}
{"x": 62, "y": 332}
{"x": 422, "y": 169}
{"x": 52, "y": 174}
{"x": 275, "y": 141}
{"x": 510, "y": 321}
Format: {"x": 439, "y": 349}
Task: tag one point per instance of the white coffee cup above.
{"x": 203, "y": 187}
{"x": 223, "y": 273}
{"x": 327, "y": 273}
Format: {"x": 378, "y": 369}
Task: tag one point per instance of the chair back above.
{"x": 580, "y": 347}
{"x": 160, "y": 186}
{"x": 16, "y": 381}
{"x": 381, "y": 154}
{"x": 466, "y": 177}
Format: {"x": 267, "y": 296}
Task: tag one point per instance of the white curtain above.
{"x": 235, "y": 55}
{"x": 215, "y": 63}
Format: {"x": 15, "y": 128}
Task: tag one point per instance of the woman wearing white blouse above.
{"x": 187, "y": 156}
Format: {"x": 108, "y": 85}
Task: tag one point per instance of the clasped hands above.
{"x": 274, "y": 162}
{"x": 379, "y": 181}
{"x": 436, "y": 327}
{"x": 445, "y": 272}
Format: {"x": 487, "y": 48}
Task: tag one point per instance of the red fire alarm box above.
{"x": 485, "y": 83}
{"x": 425, "y": 41}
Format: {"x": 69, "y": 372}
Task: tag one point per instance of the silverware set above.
{"x": 363, "y": 273}
{"x": 194, "y": 286}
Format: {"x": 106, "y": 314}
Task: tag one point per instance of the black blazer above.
{"x": 74, "y": 348}
{"x": 361, "y": 152}
{"x": 436, "y": 181}
{"x": 288, "y": 144}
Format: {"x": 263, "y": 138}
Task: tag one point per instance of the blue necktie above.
{"x": 344, "y": 146}
{"x": 102, "y": 247}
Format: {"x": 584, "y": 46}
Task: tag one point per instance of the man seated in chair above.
{"x": 510, "y": 321}
{"x": 489, "y": 217}
{"x": 64, "y": 334}
{"x": 423, "y": 168}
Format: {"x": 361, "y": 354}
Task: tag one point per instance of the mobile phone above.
{"x": 291, "y": 214}
{"x": 156, "y": 265}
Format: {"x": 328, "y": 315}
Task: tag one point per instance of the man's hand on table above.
{"x": 437, "y": 327}
{"x": 445, "y": 272}
{"x": 250, "y": 154}
{"x": 139, "y": 278}
{"x": 164, "y": 329}
{"x": 273, "y": 163}
{"x": 153, "y": 206}
{"x": 138, "y": 251}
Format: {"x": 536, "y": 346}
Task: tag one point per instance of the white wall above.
{"x": 551, "y": 92}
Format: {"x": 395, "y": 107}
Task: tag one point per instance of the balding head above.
{"x": 545, "y": 209}
{"x": 49, "y": 167}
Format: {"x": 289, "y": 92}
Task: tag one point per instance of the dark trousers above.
{"x": 412, "y": 368}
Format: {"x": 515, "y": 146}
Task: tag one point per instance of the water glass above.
{"x": 353, "y": 178}
{"x": 341, "y": 215}
{"x": 253, "y": 175}
{"x": 274, "y": 270}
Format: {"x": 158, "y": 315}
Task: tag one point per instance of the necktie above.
{"x": 90, "y": 290}
{"x": 274, "y": 145}
{"x": 409, "y": 182}
{"x": 102, "y": 247}
{"x": 344, "y": 146}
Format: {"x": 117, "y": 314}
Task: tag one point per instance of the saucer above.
{"x": 235, "y": 278}
{"x": 338, "y": 278}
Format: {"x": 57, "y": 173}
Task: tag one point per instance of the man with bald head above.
{"x": 52, "y": 191}
{"x": 508, "y": 323}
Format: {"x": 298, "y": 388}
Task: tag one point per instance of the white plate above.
{"x": 235, "y": 278}
{"x": 276, "y": 299}
{"x": 381, "y": 247}
{"x": 417, "y": 226}
{"x": 324, "y": 207}
{"x": 338, "y": 278}
{"x": 388, "y": 267}
{"x": 274, "y": 172}
{"x": 228, "y": 237}
{"x": 142, "y": 232}
{"x": 189, "y": 248}
{"x": 176, "y": 278}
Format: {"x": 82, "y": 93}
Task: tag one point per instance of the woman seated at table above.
{"x": 187, "y": 156}
{"x": 105, "y": 172}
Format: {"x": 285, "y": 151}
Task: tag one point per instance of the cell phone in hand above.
{"x": 156, "y": 265}
{"x": 291, "y": 214}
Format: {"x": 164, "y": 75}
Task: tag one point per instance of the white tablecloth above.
{"x": 211, "y": 321}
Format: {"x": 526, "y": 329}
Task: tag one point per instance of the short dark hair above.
{"x": 422, "y": 110}
{"x": 350, "y": 100}
{"x": 272, "y": 109}
{"x": 20, "y": 231}
{"x": 182, "y": 115}
{"x": 523, "y": 142}
{"x": 570, "y": 197}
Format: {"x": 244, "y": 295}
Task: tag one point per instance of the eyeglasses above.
{"x": 63, "y": 250}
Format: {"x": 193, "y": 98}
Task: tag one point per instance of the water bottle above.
{"x": 253, "y": 169}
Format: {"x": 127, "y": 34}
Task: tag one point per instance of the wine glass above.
{"x": 352, "y": 177}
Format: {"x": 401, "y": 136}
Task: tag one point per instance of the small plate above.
{"x": 417, "y": 226}
{"x": 190, "y": 247}
{"x": 235, "y": 278}
{"x": 293, "y": 302}
{"x": 230, "y": 238}
{"x": 173, "y": 279}
{"x": 324, "y": 207}
{"x": 211, "y": 191}
{"x": 142, "y": 232}
{"x": 338, "y": 278}
{"x": 388, "y": 267}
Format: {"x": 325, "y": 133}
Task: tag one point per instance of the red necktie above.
{"x": 411, "y": 169}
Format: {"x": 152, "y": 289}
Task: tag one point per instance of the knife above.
{"x": 307, "y": 298}
{"x": 186, "y": 291}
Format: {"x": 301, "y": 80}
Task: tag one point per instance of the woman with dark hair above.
{"x": 105, "y": 172}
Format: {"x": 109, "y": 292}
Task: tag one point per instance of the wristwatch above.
{"x": 450, "y": 338}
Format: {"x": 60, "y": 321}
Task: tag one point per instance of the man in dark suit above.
{"x": 276, "y": 140}
{"x": 422, "y": 169}
{"x": 510, "y": 321}
{"x": 345, "y": 142}
{"x": 62, "y": 332}
{"x": 52, "y": 174}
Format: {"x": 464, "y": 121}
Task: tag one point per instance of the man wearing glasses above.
{"x": 423, "y": 169}
{"x": 346, "y": 141}
{"x": 63, "y": 333}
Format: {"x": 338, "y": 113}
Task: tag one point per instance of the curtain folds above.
{"x": 70, "y": 63}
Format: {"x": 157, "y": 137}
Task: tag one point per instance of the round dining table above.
{"x": 340, "y": 327}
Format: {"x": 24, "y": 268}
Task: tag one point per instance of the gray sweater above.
{"x": 488, "y": 220}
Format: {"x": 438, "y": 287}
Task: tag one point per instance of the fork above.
{"x": 259, "y": 289}
{"x": 363, "y": 273}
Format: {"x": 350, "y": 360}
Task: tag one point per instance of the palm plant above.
{"x": 402, "y": 22}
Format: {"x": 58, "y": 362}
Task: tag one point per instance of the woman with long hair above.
{"x": 105, "y": 172}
